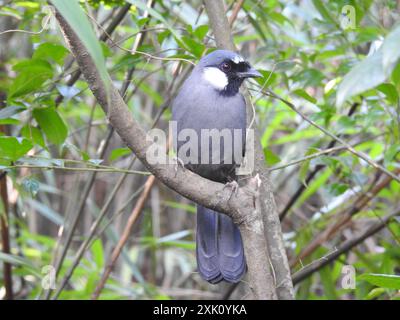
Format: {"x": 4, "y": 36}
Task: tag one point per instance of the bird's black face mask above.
{"x": 236, "y": 73}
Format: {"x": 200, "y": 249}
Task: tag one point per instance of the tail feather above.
{"x": 219, "y": 247}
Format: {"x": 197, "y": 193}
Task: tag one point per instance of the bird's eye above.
{"x": 226, "y": 66}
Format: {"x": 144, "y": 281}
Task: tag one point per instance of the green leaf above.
{"x": 308, "y": 78}
{"x": 10, "y": 111}
{"x": 46, "y": 212}
{"x": 19, "y": 261}
{"x": 391, "y": 50}
{"x": 270, "y": 157}
{"x": 373, "y": 70}
{"x": 98, "y": 253}
{"x": 268, "y": 77}
{"x": 375, "y": 293}
{"x": 50, "y": 51}
{"x": 391, "y": 153}
{"x": 389, "y": 90}
{"x": 74, "y": 15}
{"x": 194, "y": 47}
{"x": 33, "y": 73}
{"x": 314, "y": 186}
{"x": 323, "y": 11}
{"x": 302, "y": 93}
{"x": 201, "y": 31}
{"x": 337, "y": 189}
{"x": 34, "y": 134}
{"x": 382, "y": 280}
{"x": 12, "y": 148}
{"x": 396, "y": 75}
{"x": 363, "y": 76}
{"x": 52, "y": 124}
{"x": 303, "y": 172}
{"x": 119, "y": 152}
{"x": 33, "y": 65}
{"x": 328, "y": 282}
{"x": 9, "y": 121}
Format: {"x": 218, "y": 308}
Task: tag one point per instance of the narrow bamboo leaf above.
{"x": 10, "y": 111}
{"x": 364, "y": 76}
{"x": 47, "y": 212}
{"x": 98, "y": 253}
{"x": 382, "y": 280}
{"x": 391, "y": 50}
{"x": 318, "y": 4}
{"x": 302, "y": 93}
{"x": 19, "y": 261}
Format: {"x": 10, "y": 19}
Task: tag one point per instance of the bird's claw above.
{"x": 178, "y": 163}
{"x": 234, "y": 186}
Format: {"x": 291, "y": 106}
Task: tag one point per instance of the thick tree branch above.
{"x": 273, "y": 233}
{"x": 240, "y": 207}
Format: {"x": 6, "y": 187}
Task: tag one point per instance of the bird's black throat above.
{"x": 233, "y": 86}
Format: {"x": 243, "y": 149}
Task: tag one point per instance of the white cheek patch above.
{"x": 238, "y": 59}
{"x": 215, "y": 77}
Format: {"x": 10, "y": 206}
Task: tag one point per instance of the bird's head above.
{"x": 225, "y": 71}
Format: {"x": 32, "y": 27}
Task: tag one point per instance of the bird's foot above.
{"x": 234, "y": 186}
{"x": 178, "y": 163}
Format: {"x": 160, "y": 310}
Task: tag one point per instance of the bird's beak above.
{"x": 250, "y": 73}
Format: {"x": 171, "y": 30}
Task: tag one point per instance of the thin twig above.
{"x": 235, "y": 12}
{"x": 306, "y": 158}
{"x": 111, "y": 170}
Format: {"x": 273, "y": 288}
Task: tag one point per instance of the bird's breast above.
{"x": 210, "y": 135}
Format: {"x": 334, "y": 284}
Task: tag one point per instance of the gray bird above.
{"x": 210, "y": 99}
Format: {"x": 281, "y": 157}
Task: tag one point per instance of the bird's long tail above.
{"x": 219, "y": 247}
